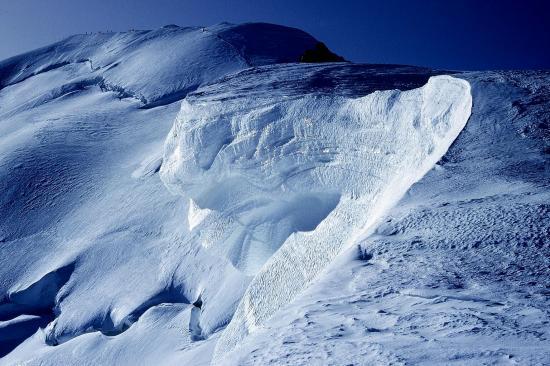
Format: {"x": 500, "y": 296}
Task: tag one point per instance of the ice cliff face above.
{"x": 293, "y": 180}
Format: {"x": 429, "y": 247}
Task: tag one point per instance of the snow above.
{"x": 289, "y": 222}
{"x": 456, "y": 272}
{"x": 329, "y": 167}
{"x": 81, "y": 193}
{"x": 161, "y": 66}
{"x": 154, "y": 339}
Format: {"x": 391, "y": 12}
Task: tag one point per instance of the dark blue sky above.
{"x": 459, "y": 34}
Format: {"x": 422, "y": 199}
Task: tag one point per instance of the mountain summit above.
{"x": 162, "y": 66}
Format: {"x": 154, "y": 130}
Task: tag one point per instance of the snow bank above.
{"x": 294, "y": 180}
{"x": 152, "y": 340}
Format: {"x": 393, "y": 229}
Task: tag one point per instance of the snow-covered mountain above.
{"x": 195, "y": 196}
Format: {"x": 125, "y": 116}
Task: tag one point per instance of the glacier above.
{"x": 170, "y": 61}
{"x": 331, "y": 213}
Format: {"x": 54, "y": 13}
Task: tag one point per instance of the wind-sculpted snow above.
{"x": 79, "y": 157}
{"x": 279, "y": 169}
{"x": 458, "y": 271}
{"x": 295, "y": 179}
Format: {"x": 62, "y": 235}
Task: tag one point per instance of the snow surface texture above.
{"x": 458, "y": 272}
{"x": 96, "y": 251}
{"x": 90, "y": 238}
{"x": 161, "y": 66}
{"x": 307, "y": 175}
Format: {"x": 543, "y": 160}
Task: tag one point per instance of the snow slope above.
{"x": 278, "y": 168}
{"x": 90, "y": 237}
{"x": 458, "y": 271}
{"x": 161, "y": 66}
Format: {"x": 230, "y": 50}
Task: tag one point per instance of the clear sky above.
{"x": 459, "y": 34}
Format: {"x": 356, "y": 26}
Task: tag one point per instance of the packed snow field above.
{"x": 232, "y": 206}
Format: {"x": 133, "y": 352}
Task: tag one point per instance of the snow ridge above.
{"x": 345, "y": 160}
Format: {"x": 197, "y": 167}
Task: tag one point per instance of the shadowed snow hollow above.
{"x": 293, "y": 180}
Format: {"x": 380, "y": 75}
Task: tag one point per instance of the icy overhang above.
{"x": 292, "y": 179}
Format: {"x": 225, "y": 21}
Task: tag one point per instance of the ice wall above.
{"x": 294, "y": 180}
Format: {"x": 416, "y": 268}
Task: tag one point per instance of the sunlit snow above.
{"x": 192, "y": 195}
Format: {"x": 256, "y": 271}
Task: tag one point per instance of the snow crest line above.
{"x": 346, "y": 160}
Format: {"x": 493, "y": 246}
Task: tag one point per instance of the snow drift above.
{"x": 294, "y": 181}
{"x": 457, "y": 271}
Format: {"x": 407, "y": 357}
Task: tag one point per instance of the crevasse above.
{"x": 287, "y": 184}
